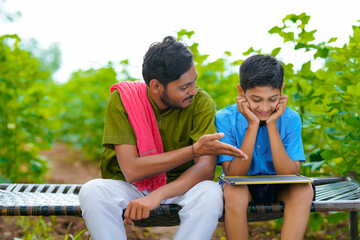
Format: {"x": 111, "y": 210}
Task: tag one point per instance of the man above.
{"x": 135, "y": 176}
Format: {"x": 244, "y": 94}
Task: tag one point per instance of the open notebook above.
{"x": 265, "y": 179}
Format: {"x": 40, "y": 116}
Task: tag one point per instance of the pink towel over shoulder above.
{"x": 142, "y": 118}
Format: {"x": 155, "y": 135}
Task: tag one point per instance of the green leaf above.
{"x": 300, "y": 45}
{"x": 357, "y": 35}
{"x": 307, "y": 36}
{"x": 291, "y": 17}
{"x": 333, "y": 39}
{"x": 227, "y": 53}
{"x": 354, "y": 90}
{"x": 315, "y": 221}
{"x": 322, "y": 53}
{"x": 247, "y": 52}
{"x": 184, "y": 32}
{"x": 306, "y": 69}
{"x": 330, "y": 154}
{"x": 304, "y": 18}
{"x": 321, "y": 74}
{"x": 334, "y": 137}
{"x": 336, "y": 218}
{"x": 275, "y": 29}
{"x": 237, "y": 63}
{"x": 316, "y": 156}
{"x": 314, "y": 165}
{"x": 78, "y": 236}
{"x": 288, "y": 36}
{"x": 275, "y": 52}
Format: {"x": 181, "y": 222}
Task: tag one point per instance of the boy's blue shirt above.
{"x": 231, "y": 122}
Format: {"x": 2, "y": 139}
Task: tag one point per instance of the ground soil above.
{"x": 68, "y": 166}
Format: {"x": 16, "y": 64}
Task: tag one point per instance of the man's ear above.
{"x": 281, "y": 91}
{"x": 155, "y": 86}
{"x": 240, "y": 91}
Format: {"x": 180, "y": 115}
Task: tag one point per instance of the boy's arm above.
{"x": 283, "y": 164}
{"x": 203, "y": 169}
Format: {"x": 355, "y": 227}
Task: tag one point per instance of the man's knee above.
{"x": 210, "y": 190}
{"x": 90, "y": 189}
{"x": 204, "y": 196}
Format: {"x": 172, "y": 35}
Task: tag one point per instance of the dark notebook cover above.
{"x": 265, "y": 179}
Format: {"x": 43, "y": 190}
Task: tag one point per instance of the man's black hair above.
{"x": 166, "y": 61}
{"x": 260, "y": 70}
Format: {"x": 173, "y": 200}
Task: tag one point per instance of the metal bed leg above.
{"x": 354, "y": 231}
{"x": 353, "y": 215}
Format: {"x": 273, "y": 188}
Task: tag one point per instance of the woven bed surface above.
{"x": 62, "y": 199}
{"x": 42, "y": 195}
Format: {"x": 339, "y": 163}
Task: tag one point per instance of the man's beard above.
{"x": 171, "y": 103}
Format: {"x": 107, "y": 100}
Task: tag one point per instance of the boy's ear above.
{"x": 282, "y": 88}
{"x": 240, "y": 91}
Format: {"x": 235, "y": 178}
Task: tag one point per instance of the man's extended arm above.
{"x": 136, "y": 168}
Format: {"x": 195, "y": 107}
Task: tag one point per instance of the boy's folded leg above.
{"x": 236, "y": 199}
{"x": 297, "y": 199}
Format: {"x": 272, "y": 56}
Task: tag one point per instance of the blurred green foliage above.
{"x": 81, "y": 109}
{"x": 38, "y": 111}
{"x": 24, "y": 115}
{"x": 327, "y": 98}
{"x": 41, "y": 228}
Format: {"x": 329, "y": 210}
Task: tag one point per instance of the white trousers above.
{"x": 102, "y": 202}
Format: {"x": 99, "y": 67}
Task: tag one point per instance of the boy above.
{"x": 269, "y": 133}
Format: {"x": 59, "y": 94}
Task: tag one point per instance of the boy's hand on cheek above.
{"x": 280, "y": 109}
{"x": 244, "y": 108}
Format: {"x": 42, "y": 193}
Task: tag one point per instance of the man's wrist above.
{"x": 158, "y": 194}
{"x": 193, "y": 151}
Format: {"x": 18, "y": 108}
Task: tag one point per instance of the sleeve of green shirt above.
{"x": 204, "y": 117}
{"x": 117, "y": 129}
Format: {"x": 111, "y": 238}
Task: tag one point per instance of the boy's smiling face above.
{"x": 262, "y": 100}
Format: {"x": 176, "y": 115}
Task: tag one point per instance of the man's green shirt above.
{"x": 178, "y": 128}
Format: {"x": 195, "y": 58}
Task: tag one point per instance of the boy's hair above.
{"x": 166, "y": 61}
{"x": 260, "y": 70}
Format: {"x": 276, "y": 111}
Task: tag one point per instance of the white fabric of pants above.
{"x": 102, "y": 202}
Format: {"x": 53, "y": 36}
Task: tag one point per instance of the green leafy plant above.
{"x": 39, "y": 228}
{"x": 24, "y": 125}
{"x": 82, "y": 105}
{"x": 36, "y": 229}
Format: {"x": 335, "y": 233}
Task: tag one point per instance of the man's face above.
{"x": 179, "y": 93}
{"x": 263, "y": 101}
